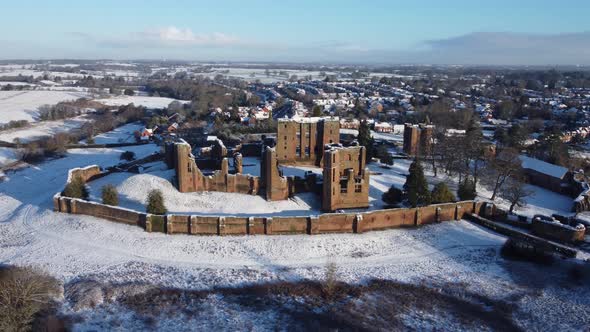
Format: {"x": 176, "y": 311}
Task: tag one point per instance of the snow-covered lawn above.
{"x": 157, "y": 176}
{"x": 123, "y": 134}
{"x": 148, "y": 102}
{"x": 36, "y": 184}
{"x": 542, "y": 201}
{"x": 24, "y": 105}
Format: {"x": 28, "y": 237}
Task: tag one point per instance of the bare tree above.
{"x": 515, "y": 192}
{"x": 501, "y": 168}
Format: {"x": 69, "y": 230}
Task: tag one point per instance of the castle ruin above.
{"x": 303, "y": 141}
{"x": 345, "y": 182}
{"x": 417, "y": 138}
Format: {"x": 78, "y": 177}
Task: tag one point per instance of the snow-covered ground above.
{"x": 43, "y": 129}
{"x": 8, "y": 156}
{"x": 376, "y": 135}
{"x": 75, "y": 247}
{"x": 24, "y": 105}
{"x": 19, "y": 70}
{"x": 148, "y": 102}
{"x": 123, "y": 134}
{"x": 157, "y": 176}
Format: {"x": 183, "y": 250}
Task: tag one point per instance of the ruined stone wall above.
{"x": 112, "y": 213}
{"x": 417, "y": 138}
{"x": 190, "y": 178}
{"x": 411, "y": 135}
{"x": 86, "y": 173}
{"x": 345, "y": 179}
{"x": 277, "y": 186}
{"x": 302, "y": 142}
{"x": 558, "y": 231}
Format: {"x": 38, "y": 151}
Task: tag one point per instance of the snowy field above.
{"x": 148, "y": 102}
{"x": 43, "y": 129}
{"x": 75, "y": 247}
{"x": 7, "y": 156}
{"x": 123, "y": 134}
{"x": 24, "y": 105}
{"x": 39, "y": 73}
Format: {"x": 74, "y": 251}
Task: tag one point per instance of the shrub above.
{"x": 387, "y": 159}
{"x": 110, "y": 195}
{"x": 442, "y": 194}
{"x": 129, "y": 92}
{"x": 330, "y": 280}
{"x": 155, "y": 203}
{"x": 128, "y": 155}
{"x": 466, "y": 190}
{"x": 393, "y": 196}
{"x": 76, "y": 188}
{"x": 24, "y": 293}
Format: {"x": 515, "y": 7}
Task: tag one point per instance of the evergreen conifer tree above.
{"x": 466, "y": 190}
{"x": 442, "y": 194}
{"x": 110, "y": 195}
{"x": 156, "y": 202}
{"x": 76, "y": 188}
{"x": 365, "y": 139}
{"x": 416, "y": 186}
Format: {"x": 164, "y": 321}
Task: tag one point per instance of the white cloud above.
{"x": 174, "y": 34}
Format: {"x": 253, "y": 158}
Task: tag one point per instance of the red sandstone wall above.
{"x": 335, "y": 223}
{"x": 204, "y": 225}
{"x": 85, "y": 173}
{"x": 230, "y": 225}
{"x": 384, "y": 219}
{"x": 113, "y": 213}
{"x": 233, "y": 225}
{"x": 178, "y": 224}
{"x": 286, "y": 225}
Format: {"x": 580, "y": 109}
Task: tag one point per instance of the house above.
{"x": 546, "y": 175}
{"x": 383, "y": 127}
{"x": 350, "y": 123}
{"x": 173, "y": 127}
{"x": 147, "y": 134}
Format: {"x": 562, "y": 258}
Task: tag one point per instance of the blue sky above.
{"x": 470, "y": 32}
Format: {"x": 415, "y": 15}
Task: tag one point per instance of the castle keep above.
{"x": 303, "y": 141}
{"x": 417, "y": 138}
{"x": 346, "y": 180}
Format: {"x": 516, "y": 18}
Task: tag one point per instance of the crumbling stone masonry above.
{"x": 87, "y": 173}
{"x": 303, "y": 141}
{"x": 190, "y": 178}
{"x": 277, "y": 186}
{"x": 346, "y": 180}
{"x": 417, "y": 138}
